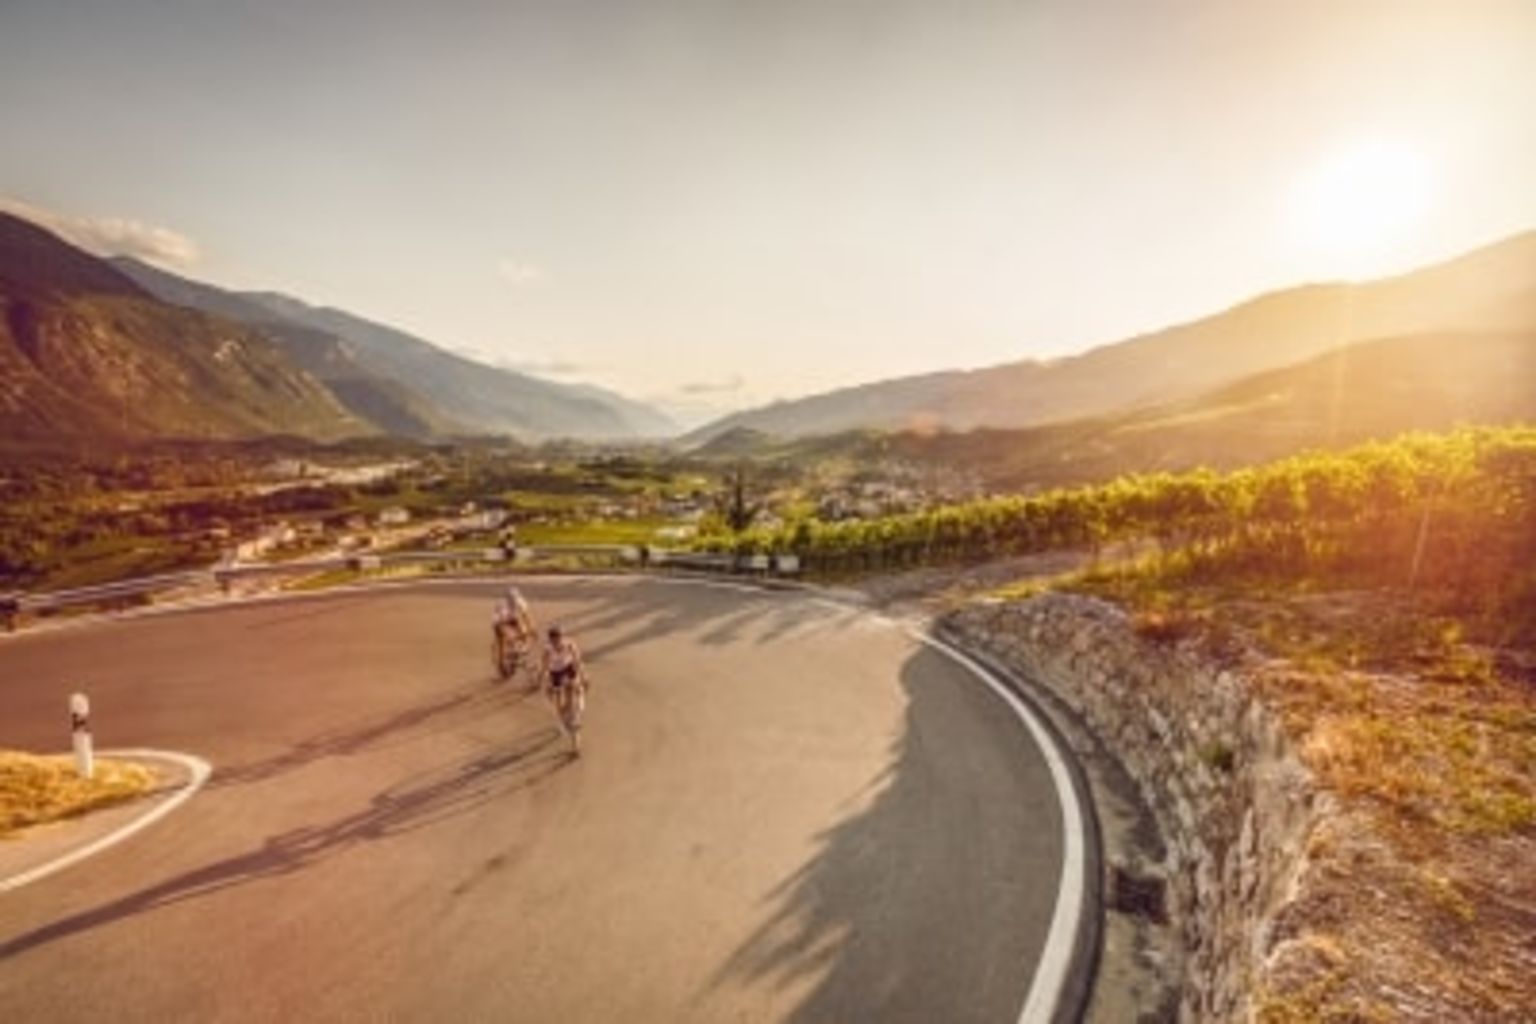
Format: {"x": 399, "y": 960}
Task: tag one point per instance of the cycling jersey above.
{"x": 563, "y": 662}
{"x": 513, "y": 615}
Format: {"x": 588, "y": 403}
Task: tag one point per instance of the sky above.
{"x": 714, "y": 204}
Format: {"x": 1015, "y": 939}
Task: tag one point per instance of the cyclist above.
{"x": 512, "y": 626}
{"x": 565, "y": 682}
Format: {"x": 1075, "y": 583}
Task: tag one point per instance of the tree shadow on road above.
{"x": 645, "y": 612}
{"x": 319, "y": 605}
{"x": 931, "y": 902}
{"x": 406, "y": 723}
{"x": 412, "y": 805}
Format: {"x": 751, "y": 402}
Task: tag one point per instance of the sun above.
{"x": 1357, "y": 205}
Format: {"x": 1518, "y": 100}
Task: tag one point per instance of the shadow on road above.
{"x": 403, "y": 808}
{"x": 441, "y": 712}
{"x": 277, "y": 615}
{"x": 648, "y": 609}
{"x": 931, "y": 902}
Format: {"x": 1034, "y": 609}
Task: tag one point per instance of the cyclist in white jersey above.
{"x": 565, "y": 682}
{"x": 512, "y": 617}
{"x": 513, "y": 628}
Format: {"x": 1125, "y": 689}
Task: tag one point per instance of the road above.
{"x": 787, "y": 811}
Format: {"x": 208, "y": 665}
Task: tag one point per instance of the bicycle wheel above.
{"x": 570, "y": 719}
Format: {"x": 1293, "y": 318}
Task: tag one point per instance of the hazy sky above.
{"x": 724, "y": 202}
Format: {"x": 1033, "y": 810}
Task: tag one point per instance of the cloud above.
{"x": 537, "y": 367}
{"x": 519, "y": 274}
{"x": 543, "y": 367}
{"x": 713, "y": 387}
{"x": 112, "y": 236}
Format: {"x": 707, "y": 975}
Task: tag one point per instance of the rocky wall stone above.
{"x": 1234, "y": 804}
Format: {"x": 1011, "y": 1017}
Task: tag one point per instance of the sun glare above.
{"x": 1359, "y": 203}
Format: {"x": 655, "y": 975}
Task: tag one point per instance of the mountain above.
{"x": 486, "y": 398}
{"x": 1477, "y": 291}
{"x": 389, "y": 404}
{"x": 642, "y": 420}
{"x": 86, "y": 353}
{"x": 1369, "y": 390}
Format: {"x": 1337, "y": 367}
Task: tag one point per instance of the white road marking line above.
{"x": 1050, "y": 978}
{"x": 196, "y": 766}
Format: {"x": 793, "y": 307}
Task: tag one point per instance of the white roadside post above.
{"x": 80, "y": 729}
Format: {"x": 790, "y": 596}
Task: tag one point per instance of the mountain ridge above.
{"x": 388, "y": 404}
{"x": 488, "y": 398}
{"x": 1181, "y": 361}
{"x": 1370, "y": 390}
{"x": 87, "y": 353}
{"x": 404, "y": 383}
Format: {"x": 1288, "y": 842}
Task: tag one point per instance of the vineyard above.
{"x": 1450, "y": 514}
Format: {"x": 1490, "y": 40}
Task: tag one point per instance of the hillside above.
{"x": 86, "y": 353}
{"x": 387, "y": 403}
{"x": 1477, "y": 291}
{"x": 1370, "y": 390}
{"x": 484, "y": 398}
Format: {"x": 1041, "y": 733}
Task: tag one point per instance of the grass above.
{"x": 595, "y": 531}
{"x": 1448, "y": 769}
{"x": 34, "y": 790}
{"x": 324, "y": 580}
{"x": 1389, "y": 696}
{"x": 121, "y": 558}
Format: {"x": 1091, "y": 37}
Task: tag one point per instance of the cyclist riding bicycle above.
{"x": 565, "y": 682}
{"x": 512, "y": 626}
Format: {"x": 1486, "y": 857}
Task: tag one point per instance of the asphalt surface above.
{"x": 786, "y": 811}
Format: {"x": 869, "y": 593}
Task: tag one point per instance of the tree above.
{"x": 734, "y": 506}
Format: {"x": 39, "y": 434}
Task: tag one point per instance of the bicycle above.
{"x": 507, "y": 657}
{"x": 570, "y": 700}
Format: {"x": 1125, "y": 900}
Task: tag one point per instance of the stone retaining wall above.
{"x": 1234, "y": 804}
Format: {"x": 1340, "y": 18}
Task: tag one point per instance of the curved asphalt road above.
{"x": 786, "y": 811}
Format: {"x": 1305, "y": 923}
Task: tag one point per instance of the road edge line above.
{"x": 200, "y": 771}
{"x": 1071, "y": 944}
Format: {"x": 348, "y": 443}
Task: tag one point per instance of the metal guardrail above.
{"x": 14, "y": 605}
{"x": 102, "y": 593}
{"x": 617, "y": 552}
{"x": 761, "y": 565}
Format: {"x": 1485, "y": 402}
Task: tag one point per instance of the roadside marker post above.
{"x": 80, "y": 734}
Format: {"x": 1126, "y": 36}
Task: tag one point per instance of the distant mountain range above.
{"x": 488, "y": 399}
{"x": 406, "y": 385}
{"x": 1369, "y": 390}
{"x": 1490, "y": 289}
{"x": 116, "y": 348}
{"x": 373, "y": 397}
{"x": 85, "y": 353}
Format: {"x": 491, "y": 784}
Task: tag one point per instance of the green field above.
{"x": 623, "y": 531}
